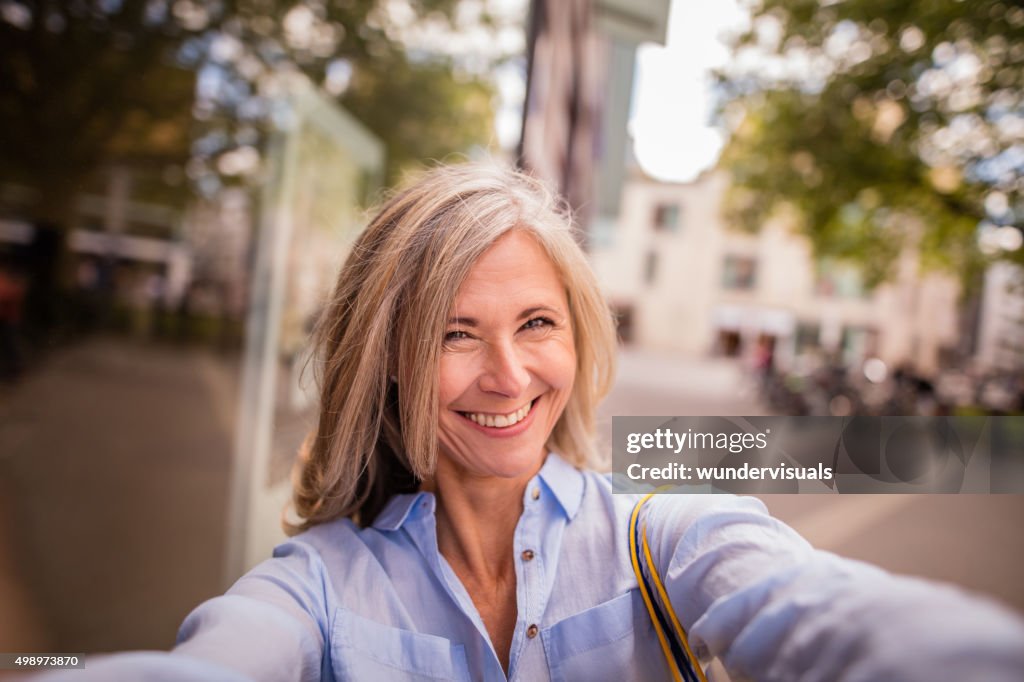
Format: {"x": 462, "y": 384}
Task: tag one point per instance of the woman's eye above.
{"x": 456, "y": 335}
{"x": 538, "y": 322}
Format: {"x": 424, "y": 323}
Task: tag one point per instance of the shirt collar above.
{"x": 564, "y": 481}
{"x": 401, "y": 507}
{"x": 560, "y": 478}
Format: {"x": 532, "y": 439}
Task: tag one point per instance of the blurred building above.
{"x": 125, "y": 242}
{"x": 219, "y": 233}
{"x": 582, "y": 55}
{"x": 138, "y": 243}
{"x": 680, "y": 280}
{"x": 1001, "y": 328}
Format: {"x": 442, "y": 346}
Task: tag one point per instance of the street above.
{"x": 114, "y": 467}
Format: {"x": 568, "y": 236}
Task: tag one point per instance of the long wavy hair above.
{"x": 378, "y": 342}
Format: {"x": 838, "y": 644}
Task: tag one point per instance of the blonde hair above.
{"x": 377, "y": 437}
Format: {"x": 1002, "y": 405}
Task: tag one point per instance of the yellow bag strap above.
{"x": 674, "y": 645}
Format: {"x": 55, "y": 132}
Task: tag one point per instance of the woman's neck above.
{"x": 476, "y": 524}
{"x": 476, "y": 520}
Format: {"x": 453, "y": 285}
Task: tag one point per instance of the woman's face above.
{"x": 508, "y": 363}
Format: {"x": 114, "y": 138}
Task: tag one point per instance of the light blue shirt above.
{"x": 381, "y": 603}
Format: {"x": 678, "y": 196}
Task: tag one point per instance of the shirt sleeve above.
{"x": 271, "y": 625}
{"x": 753, "y": 593}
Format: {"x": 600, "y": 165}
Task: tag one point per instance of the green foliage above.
{"x": 87, "y": 83}
{"x": 449, "y": 115}
{"x": 418, "y": 102}
{"x": 79, "y": 85}
{"x": 880, "y": 124}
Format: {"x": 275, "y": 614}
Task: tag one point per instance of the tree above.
{"x": 882, "y": 124}
{"x": 173, "y": 82}
{"x": 82, "y": 84}
{"x": 422, "y": 103}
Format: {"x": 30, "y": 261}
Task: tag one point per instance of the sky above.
{"x": 672, "y": 103}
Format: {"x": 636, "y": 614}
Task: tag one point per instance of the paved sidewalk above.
{"x": 650, "y": 383}
{"x": 115, "y": 458}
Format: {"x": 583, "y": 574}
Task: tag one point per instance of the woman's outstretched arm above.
{"x": 271, "y": 625}
{"x": 752, "y": 592}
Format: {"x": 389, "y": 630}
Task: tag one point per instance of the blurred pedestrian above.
{"x": 12, "y": 298}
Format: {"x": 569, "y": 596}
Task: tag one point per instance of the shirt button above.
{"x": 536, "y": 493}
{"x": 527, "y": 555}
{"x": 532, "y": 631}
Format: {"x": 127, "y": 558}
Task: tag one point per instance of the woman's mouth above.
{"x": 500, "y": 421}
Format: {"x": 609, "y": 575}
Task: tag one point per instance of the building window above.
{"x": 651, "y": 267}
{"x": 666, "y": 217}
{"x": 623, "y": 322}
{"x": 838, "y": 280}
{"x": 729, "y": 343}
{"x": 854, "y": 343}
{"x": 739, "y": 272}
{"x": 808, "y": 336}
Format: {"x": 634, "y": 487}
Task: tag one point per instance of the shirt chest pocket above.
{"x": 611, "y": 641}
{"x": 362, "y": 649}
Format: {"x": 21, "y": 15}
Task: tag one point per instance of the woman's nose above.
{"x": 505, "y": 372}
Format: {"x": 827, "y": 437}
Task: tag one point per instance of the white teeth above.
{"x": 499, "y": 421}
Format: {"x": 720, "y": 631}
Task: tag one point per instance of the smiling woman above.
{"x": 464, "y": 296}
{"x": 451, "y": 525}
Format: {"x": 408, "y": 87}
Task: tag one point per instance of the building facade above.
{"x": 681, "y": 280}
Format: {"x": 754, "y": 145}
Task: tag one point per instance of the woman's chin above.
{"x": 513, "y": 464}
